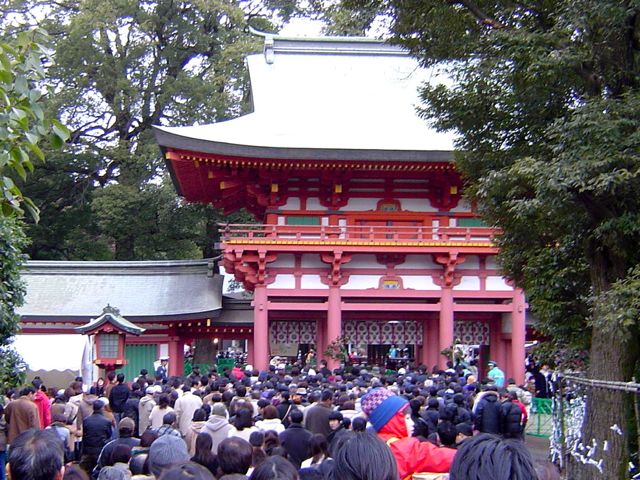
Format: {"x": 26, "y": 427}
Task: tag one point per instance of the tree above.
{"x": 545, "y": 99}
{"x": 121, "y": 67}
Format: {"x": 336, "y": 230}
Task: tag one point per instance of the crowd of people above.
{"x": 294, "y": 423}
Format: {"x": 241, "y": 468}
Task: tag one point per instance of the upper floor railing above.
{"x": 355, "y": 233}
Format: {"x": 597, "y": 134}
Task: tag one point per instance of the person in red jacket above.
{"x": 43, "y": 403}
{"x": 390, "y": 416}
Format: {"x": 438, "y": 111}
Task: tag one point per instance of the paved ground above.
{"x": 538, "y": 446}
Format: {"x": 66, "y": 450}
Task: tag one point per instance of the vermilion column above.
{"x": 518, "y": 333}
{"x": 446, "y": 324}
{"x": 176, "y": 356}
{"x": 495, "y": 342}
{"x": 321, "y": 344}
{"x": 260, "y": 328}
{"x": 433, "y": 342}
{"x": 334, "y": 321}
{"x": 426, "y": 336}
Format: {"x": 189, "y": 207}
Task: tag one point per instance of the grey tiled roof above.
{"x": 111, "y": 315}
{"x": 141, "y": 291}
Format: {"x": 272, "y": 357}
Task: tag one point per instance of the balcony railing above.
{"x": 354, "y": 233}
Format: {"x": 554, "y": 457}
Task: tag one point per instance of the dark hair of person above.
{"x": 326, "y": 395}
{"x": 270, "y": 412}
{"x": 275, "y": 468}
{"x": 111, "y": 375}
{"x": 358, "y": 424}
{"x": 74, "y": 472}
{"x": 487, "y": 456}
{"x": 310, "y": 474}
{"x": 296, "y": 416}
{"x": 186, "y": 471}
{"x": 147, "y": 438}
{"x": 447, "y": 432}
{"x": 203, "y": 454}
{"x": 27, "y": 390}
{"x": 319, "y": 447}
{"x": 271, "y": 441}
{"x": 256, "y": 439}
{"x": 36, "y": 455}
{"x": 163, "y": 401}
{"x": 364, "y": 457}
{"x": 120, "y": 454}
{"x": 234, "y": 456}
{"x": 244, "y": 419}
{"x": 199, "y": 415}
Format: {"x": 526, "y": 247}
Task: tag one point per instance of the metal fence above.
{"x": 540, "y": 422}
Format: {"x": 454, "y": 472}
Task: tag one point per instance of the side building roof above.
{"x": 339, "y": 99}
{"x": 141, "y": 291}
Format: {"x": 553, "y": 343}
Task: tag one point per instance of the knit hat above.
{"x": 165, "y": 451}
{"x": 219, "y": 410}
{"x": 380, "y": 405}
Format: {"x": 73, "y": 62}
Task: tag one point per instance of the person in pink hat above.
{"x": 390, "y": 416}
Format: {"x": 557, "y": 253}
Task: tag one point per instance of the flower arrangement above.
{"x": 336, "y": 350}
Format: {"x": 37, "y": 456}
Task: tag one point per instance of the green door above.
{"x": 139, "y": 357}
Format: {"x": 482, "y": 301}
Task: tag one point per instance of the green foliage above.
{"x": 121, "y": 67}
{"x": 337, "y": 350}
{"x": 12, "y": 289}
{"x": 23, "y": 122}
{"x": 13, "y": 369}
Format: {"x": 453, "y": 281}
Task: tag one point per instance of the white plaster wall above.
{"x": 363, "y": 261}
{"x": 312, "y": 260}
{"x": 463, "y": 206}
{"x": 417, "y": 205}
{"x": 419, "y": 282}
{"x": 284, "y": 260}
{"x": 507, "y": 325}
{"x": 420, "y": 261}
{"x": 492, "y": 262}
{"x": 360, "y": 204}
{"x": 313, "y": 203}
{"x": 468, "y": 283}
{"x": 163, "y": 350}
{"x": 312, "y": 282}
{"x": 361, "y": 282}
{"x": 471, "y": 262}
{"x": 283, "y": 281}
{"x": 293, "y": 203}
{"x": 497, "y": 283}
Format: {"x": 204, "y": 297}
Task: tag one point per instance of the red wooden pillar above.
{"x": 518, "y": 332}
{"x": 260, "y": 328}
{"x": 433, "y": 342}
{"x": 496, "y": 345}
{"x": 334, "y": 321}
{"x": 321, "y": 343}
{"x": 426, "y": 337}
{"x": 250, "y": 351}
{"x": 445, "y": 324}
{"x": 176, "y": 356}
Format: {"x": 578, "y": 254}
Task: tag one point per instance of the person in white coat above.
{"x": 184, "y": 407}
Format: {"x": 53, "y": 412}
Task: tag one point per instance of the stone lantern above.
{"x": 110, "y": 330}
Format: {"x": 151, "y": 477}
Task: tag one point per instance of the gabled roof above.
{"x": 325, "y": 99}
{"x": 142, "y": 291}
{"x": 112, "y": 316}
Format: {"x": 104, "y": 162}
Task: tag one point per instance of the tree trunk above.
{"x": 607, "y": 411}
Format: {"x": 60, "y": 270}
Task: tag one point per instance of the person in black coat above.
{"x": 118, "y": 396}
{"x": 510, "y": 417}
{"x": 96, "y": 432}
{"x": 296, "y": 439}
{"x": 488, "y": 413}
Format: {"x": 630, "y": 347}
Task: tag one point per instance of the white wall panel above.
{"x": 312, "y": 282}
{"x": 293, "y": 203}
{"x": 360, "y": 204}
{"x": 283, "y": 281}
{"x": 363, "y": 261}
{"x": 497, "y": 283}
{"x": 362, "y": 282}
{"x": 471, "y": 262}
{"x": 419, "y": 282}
{"x": 312, "y": 260}
{"x": 491, "y": 263}
{"x": 284, "y": 260}
{"x": 420, "y": 261}
{"x": 417, "y": 205}
{"x": 313, "y": 203}
{"x": 468, "y": 283}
